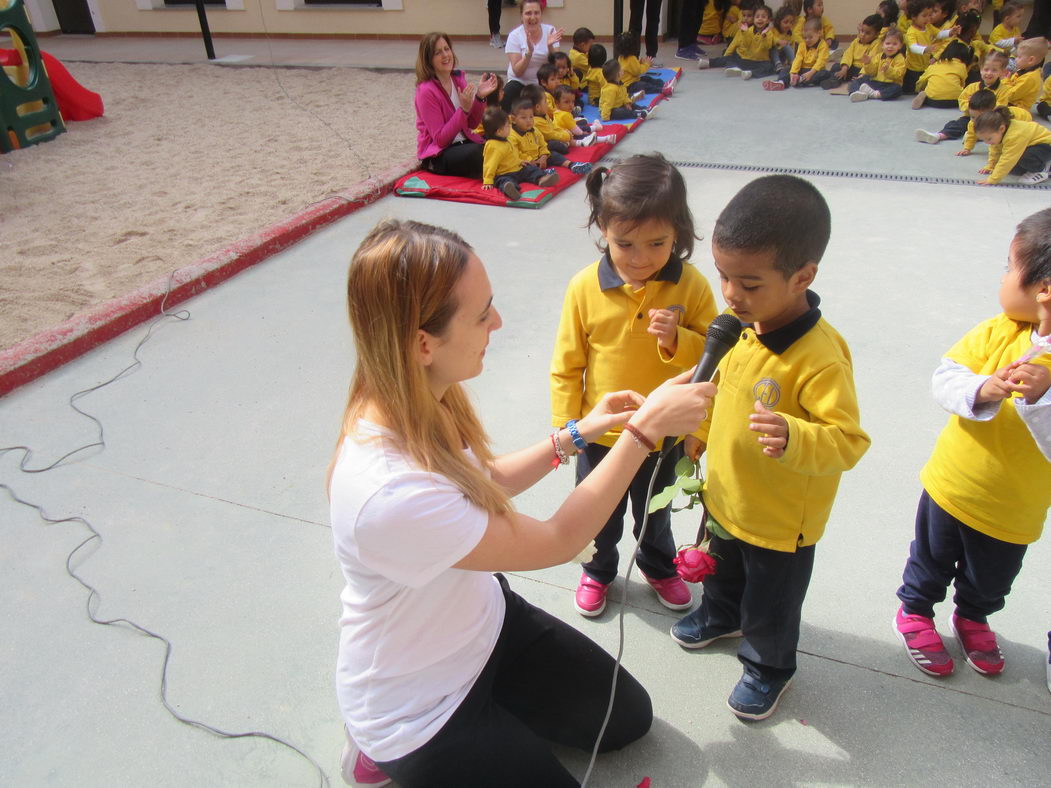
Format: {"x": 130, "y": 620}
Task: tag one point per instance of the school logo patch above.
{"x": 680, "y": 312}
{"x": 767, "y": 392}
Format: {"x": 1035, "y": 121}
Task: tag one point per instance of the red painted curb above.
{"x": 50, "y": 349}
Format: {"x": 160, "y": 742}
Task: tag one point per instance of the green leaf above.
{"x": 685, "y": 467}
{"x": 717, "y": 530}
{"x": 663, "y": 498}
{"x": 690, "y": 485}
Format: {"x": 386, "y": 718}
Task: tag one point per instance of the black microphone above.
{"x": 723, "y": 333}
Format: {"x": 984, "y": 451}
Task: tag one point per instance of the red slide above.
{"x": 75, "y": 101}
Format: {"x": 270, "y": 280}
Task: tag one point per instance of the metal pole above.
{"x": 205, "y": 32}
{"x": 618, "y": 17}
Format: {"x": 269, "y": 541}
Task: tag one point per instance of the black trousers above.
{"x": 1040, "y": 22}
{"x": 653, "y": 20}
{"x": 690, "y": 12}
{"x": 463, "y": 159}
{"x": 940, "y": 103}
{"x": 947, "y": 551}
{"x": 1034, "y": 159}
{"x": 544, "y": 682}
{"x": 658, "y": 548}
{"x": 955, "y": 129}
{"x": 760, "y": 592}
{"x": 908, "y": 84}
{"x": 759, "y": 68}
{"x": 494, "y": 7}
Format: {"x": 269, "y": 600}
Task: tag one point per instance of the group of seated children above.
{"x": 932, "y": 50}
{"x": 615, "y": 85}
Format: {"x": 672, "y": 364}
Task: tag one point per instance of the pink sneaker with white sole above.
{"x": 359, "y": 770}
{"x": 672, "y": 592}
{"x": 923, "y": 644}
{"x": 979, "y": 645}
{"x": 590, "y": 599}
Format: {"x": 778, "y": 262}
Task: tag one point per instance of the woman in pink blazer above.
{"x": 448, "y": 109}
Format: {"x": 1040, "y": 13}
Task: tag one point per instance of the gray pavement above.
{"x": 209, "y": 499}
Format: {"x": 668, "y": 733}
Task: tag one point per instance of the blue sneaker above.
{"x": 690, "y": 631}
{"x": 754, "y": 699}
{"x": 688, "y": 53}
{"x": 580, "y": 167}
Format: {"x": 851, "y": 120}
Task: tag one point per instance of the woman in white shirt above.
{"x": 445, "y": 676}
{"x": 527, "y": 49}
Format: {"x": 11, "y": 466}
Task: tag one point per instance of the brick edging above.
{"x": 56, "y": 346}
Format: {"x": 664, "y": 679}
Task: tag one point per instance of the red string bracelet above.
{"x": 640, "y": 440}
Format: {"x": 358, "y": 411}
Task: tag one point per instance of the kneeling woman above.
{"x": 446, "y": 677}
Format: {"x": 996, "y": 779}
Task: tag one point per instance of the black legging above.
{"x": 653, "y": 20}
{"x": 495, "y": 7}
{"x": 690, "y": 12}
{"x": 544, "y": 682}
{"x": 463, "y": 159}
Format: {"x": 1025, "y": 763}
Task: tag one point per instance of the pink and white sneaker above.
{"x": 672, "y": 592}
{"x": 979, "y": 645}
{"x": 590, "y": 599}
{"x": 923, "y": 644}
{"x": 359, "y": 770}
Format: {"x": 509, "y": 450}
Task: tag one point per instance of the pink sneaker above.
{"x": 672, "y": 592}
{"x": 590, "y": 599}
{"x": 359, "y": 770}
{"x": 979, "y": 645}
{"x": 922, "y": 643}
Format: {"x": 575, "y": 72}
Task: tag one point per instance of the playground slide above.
{"x": 75, "y": 101}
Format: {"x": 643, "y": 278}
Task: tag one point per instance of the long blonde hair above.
{"x": 401, "y": 280}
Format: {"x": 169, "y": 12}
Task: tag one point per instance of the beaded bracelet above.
{"x": 560, "y": 454}
{"x": 640, "y": 440}
{"x": 574, "y": 433}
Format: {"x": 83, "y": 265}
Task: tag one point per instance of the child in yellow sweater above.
{"x": 577, "y": 127}
{"x": 502, "y": 168}
{"x": 1023, "y": 86}
{"x": 626, "y": 49}
{"x": 918, "y": 39}
{"x": 808, "y": 68}
{"x": 815, "y": 9}
{"x": 987, "y": 486}
{"x": 614, "y": 102}
{"x": 885, "y": 84}
{"x": 593, "y": 79}
{"x": 1018, "y": 147}
{"x": 994, "y": 67}
{"x": 1008, "y": 34}
{"x": 942, "y": 81}
{"x": 861, "y": 57}
{"x": 529, "y": 142}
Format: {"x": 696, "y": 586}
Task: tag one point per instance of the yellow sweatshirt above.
{"x": 1000, "y": 88}
{"x": 1023, "y": 88}
{"x": 571, "y": 79}
{"x": 578, "y": 59}
{"x": 999, "y": 34}
{"x": 991, "y": 475}
{"x": 970, "y": 139}
{"x": 855, "y": 51}
{"x": 752, "y": 45}
{"x": 943, "y": 79}
{"x": 732, "y": 22}
{"x": 548, "y": 130}
{"x": 498, "y": 158}
{"x": 810, "y": 57}
{"x": 602, "y": 343}
{"x": 711, "y": 20}
{"x": 915, "y": 36}
{"x": 827, "y": 31}
{"x": 565, "y": 120}
{"x": 529, "y": 145}
{"x": 595, "y": 81}
{"x": 631, "y": 68}
{"x": 613, "y": 96}
{"x": 803, "y": 372}
{"x": 1045, "y": 93}
{"x": 1020, "y": 135}
{"x": 891, "y": 69}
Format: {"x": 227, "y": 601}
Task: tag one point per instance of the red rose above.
{"x": 694, "y": 564}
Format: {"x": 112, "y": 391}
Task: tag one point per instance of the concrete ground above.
{"x": 209, "y": 495}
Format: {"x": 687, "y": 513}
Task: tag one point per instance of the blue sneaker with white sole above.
{"x": 755, "y": 699}
{"x": 691, "y": 631}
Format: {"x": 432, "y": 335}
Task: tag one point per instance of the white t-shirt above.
{"x": 415, "y": 632}
{"x": 519, "y": 45}
{"x": 454, "y": 97}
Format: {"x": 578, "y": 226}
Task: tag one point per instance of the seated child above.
{"x": 967, "y": 33}
{"x": 885, "y": 84}
{"x": 815, "y": 9}
{"x": 626, "y": 49}
{"x": 942, "y": 81}
{"x": 862, "y": 55}
{"x": 732, "y": 19}
{"x": 558, "y": 139}
{"x": 917, "y": 42}
{"x": 563, "y": 119}
{"x": 993, "y": 69}
{"x": 1043, "y": 106}
{"x": 942, "y": 26}
{"x": 593, "y": 79}
{"x": 529, "y": 143}
{"x": 710, "y": 31}
{"x": 567, "y": 75}
{"x": 808, "y": 68}
{"x": 749, "y": 53}
{"x": 501, "y": 165}
{"x": 1008, "y": 34}
{"x": 774, "y": 458}
{"x": 494, "y": 99}
{"x": 615, "y": 103}
{"x": 1023, "y": 86}
{"x": 987, "y": 486}
{"x": 578, "y": 55}
{"x": 1018, "y": 147}
{"x": 784, "y": 50}
{"x": 547, "y": 79}
{"x": 888, "y": 10}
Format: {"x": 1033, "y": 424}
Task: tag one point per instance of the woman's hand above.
{"x": 487, "y": 85}
{"x": 611, "y": 411}
{"x": 553, "y": 37}
{"x": 676, "y": 407}
{"x": 466, "y": 97}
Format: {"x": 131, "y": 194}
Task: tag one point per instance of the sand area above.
{"x": 188, "y": 159}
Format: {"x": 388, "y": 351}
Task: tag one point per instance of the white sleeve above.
{"x": 944, "y": 33}
{"x": 416, "y": 526}
{"x": 1005, "y": 43}
{"x": 955, "y": 387}
{"x": 1037, "y": 418}
{"x": 919, "y": 49}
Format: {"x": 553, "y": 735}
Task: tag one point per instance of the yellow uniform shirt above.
{"x": 1020, "y": 135}
{"x": 571, "y": 80}
{"x": 548, "y": 130}
{"x": 732, "y": 22}
{"x": 855, "y": 51}
{"x": 891, "y": 69}
{"x": 938, "y": 44}
{"x": 810, "y": 57}
{"x": 1001, "y": 33}
{"x": 529, "y": 145}
{"x": 1023, "y": 88}
{"x": 915, "y": 36}
{"x": 827, "y": 31}
{"x": 631, "y": 68}
{"x": 594, "y": 80}
{"x": 550, "y": 104}
{"x": 565, "y": 120}
{"x": 804, "y": 372}
{"x": 1045, "y": 94}
{"x": 978, "y": 46}
{"x": 1000, "y": 88}
{"x": 602, "y": 343}
{"x": 613, "y": 96}
{"x": 578, "y": 59}
{"x": 752, "y": 45}
{"x": 991, "y": 475}
{"x": 970, "y": 138}
{"x": 711, "y": 20}
{"x": 943, "y": 79}
{"x": 499, "y": 157}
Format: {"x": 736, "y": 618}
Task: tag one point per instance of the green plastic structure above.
{"x": 28, "y": 111}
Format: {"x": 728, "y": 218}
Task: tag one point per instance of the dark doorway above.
{"x": 74, "y": 16}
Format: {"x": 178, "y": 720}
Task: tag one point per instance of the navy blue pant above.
{"x": 760, "y": 592}
{"x": 955, "y": 129}
{"x": 759, "y": 68}
{"x": 888, "y": 91}
{"x": 658, "y": 548}
{"x": 544, "y": 682}
{"x": 529, "y": 173}
{"x": 813, "y": 82}
{"x": 947, "y": 551}
{"x": 1035, "y": 158}
{"x": 908, "y": 84}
